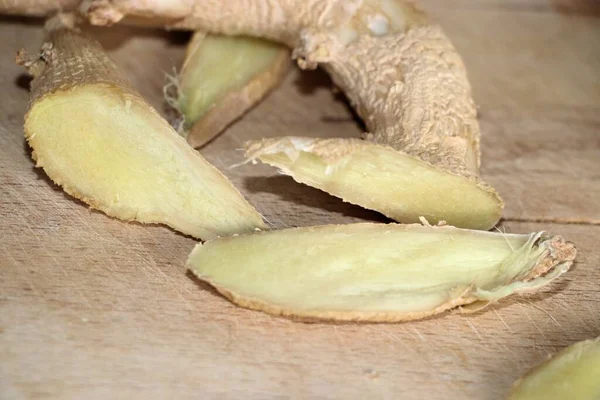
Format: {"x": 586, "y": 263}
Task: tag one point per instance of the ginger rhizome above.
{"x": 37, "y": 8}
{"x": 421, "y": 156}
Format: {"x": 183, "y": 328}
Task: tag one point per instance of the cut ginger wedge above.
{"x": 376, "y": 272}
{"x": 222, "y": 78}
{"x": 366, "y": 173}
{"x": 97, "y": 138}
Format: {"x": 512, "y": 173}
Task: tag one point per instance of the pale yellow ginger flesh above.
{"x": 383, "y": 175}
{"x": 98, "y": 139}
{"x": 376, "y": 272}
{"x": 399, "y": 71}
{"x": 574, "y": 373}
{"x": 222, "y": 77}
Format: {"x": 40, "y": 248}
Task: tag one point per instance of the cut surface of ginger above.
{"x": 574, "y": 373}
{"x": 110, "y": 149}
{"x": 376, "y": 177}
{"x": 217, "y": 65}
{"x": 376, "y": 272}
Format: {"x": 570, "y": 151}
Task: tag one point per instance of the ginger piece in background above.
{"x": 574, "y": 373}
{"x": 223, "y": 77}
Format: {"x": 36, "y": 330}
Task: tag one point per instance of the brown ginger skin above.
{"x": 424, "y": 107}
{"x": 68, "y": 60}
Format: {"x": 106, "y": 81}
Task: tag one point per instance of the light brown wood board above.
{"x": 91, "y": 307}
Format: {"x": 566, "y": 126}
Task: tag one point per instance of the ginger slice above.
{"x": 574, "y": 373}
{"x": 365, "y": 173}
{"x": 376, "y": 272}
{"x": 95, "y": 136}
{"x": 399, "y": 71}
{"x": 224, "y": 76}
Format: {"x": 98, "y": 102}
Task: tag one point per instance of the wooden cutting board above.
{"x": 91, "y": 307}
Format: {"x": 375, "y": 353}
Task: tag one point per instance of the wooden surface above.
{"x": 91, "y": 307}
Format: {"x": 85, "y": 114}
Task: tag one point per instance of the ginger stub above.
{"x": 376, "y": 272}
{"x": 95, "y": 136}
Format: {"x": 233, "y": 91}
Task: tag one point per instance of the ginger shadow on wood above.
{"x": 308, "y": 82}
{"x": 290, "y": 191}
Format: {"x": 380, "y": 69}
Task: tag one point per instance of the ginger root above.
{"x": 402, "y": 75}
{"x": 37, "y": 8}
{"x": 95, "y": 136}
{"x": 574, "y": 373}
{"x": 376, "y": 272}
{"x": 222, "y": 78}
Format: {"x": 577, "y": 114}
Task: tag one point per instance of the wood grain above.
{"x": 93, "y": 307}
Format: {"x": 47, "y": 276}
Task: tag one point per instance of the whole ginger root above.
{"x": 37, "y": 8}
{"x": 421, "y": 155}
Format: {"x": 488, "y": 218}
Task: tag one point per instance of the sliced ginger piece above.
{"x": 367, "y": 174}
{"x": 376, "y": 272}
{"x": 400, "y": 72}
{"x": 222, "y": 78}
{"x": 97, "y": 138}
{"x": 574, "y": 373}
